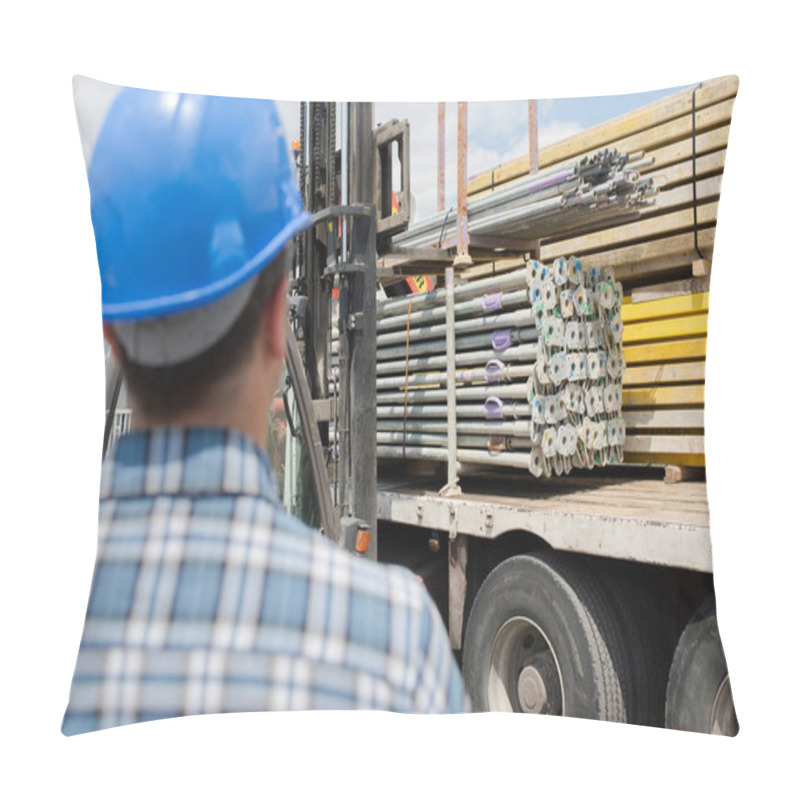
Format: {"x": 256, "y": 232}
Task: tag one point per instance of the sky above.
{"x": 497, "y": 133}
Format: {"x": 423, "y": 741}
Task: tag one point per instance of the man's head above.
{"x": 194, "y": 207}
{"x": 174, "y": 389}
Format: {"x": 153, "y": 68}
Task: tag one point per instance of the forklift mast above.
{"x": 337, "y": 256}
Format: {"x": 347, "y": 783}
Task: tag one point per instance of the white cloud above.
{"x": 556, "y": 130}
{"x": 498, "y": 133}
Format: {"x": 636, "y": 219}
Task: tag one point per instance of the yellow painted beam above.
{"x": 665, "y": 351}
{"x": 668, "y": 307}
{"x": 665, "y": 328}
{"x": 679, "y": 459}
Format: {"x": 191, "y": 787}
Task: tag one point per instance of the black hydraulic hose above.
{"x": 112, "y": 409}
{"x": 302, "y": 394}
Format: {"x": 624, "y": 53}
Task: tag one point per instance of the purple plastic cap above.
{"x": 493, "y": 408}
{"x": 494, "y": 371}
{"x": 492, "y": 302}
{"x": 501, "y": 339}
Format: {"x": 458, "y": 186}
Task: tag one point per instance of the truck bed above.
{"x": 625, "y": 513}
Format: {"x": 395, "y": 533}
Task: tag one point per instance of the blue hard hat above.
{"x": 191, "y": 196}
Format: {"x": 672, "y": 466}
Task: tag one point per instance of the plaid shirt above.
{"x": 208, "y": 597}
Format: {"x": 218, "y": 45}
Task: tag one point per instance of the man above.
{"x": 207, "y": 596}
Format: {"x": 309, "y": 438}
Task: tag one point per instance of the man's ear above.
{"x": 108, "y": 335}
{"x": 273, "y": 324}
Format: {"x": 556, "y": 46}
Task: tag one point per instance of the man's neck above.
{"x": 242, "y": 405}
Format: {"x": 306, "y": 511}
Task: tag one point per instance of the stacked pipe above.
{"x": 584, "y": 192}
{"x": 538, "y": 371}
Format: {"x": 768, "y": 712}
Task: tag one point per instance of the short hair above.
{"x": 177, "y": 388}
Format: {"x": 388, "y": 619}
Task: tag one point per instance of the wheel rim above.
{"x": 524, "y": 673}
{"x": 723, "y": 714}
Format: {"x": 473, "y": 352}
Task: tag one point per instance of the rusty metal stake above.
{"x": 441, "y": 160}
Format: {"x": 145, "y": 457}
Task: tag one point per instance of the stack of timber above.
{"x": 539, "y": 371}
{"x": 662, "y": 260}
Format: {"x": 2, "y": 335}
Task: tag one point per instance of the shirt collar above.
{"x": 188, "y": 461}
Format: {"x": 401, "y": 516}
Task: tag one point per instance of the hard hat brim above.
{"x": 195, "y": 298}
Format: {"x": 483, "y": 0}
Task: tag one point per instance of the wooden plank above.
{"x": 707, "y": 142}
{"x": 645, "y": 228}
{"x": 687, "y": 459}
{"x": 661, "y": 291}
{"x": 701, "y": 268}
{"x": 606, "y": 133}
{"x": 664, "y": 444}
{"x": 681, "y": 171}
{"x": 652, "y": 257}
{"x": 646, "y": 140}
{"x": 661, "y": 419}
{"x": 648, "y": 259}
{"x": 655, "y": 259}
{"x": 665, "y": 351}
{"x": 664, "y": 396}
{"x": 676, "y": 474}
{"x": 693, "y": 372}
{"x": 653, "y": 221}
{"x": 669, "y": 307}
{"x": 665, "y": 329}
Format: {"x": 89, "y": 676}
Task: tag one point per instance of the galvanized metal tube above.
{"x": 509, "y": 443}
{"x": 542, "y": 181}
{"x": 510, "y": 391}
{"x": 468, "y": 342}
{"x": 494, "y": 427}
{"x": 507, "y": 282}
{"x": 504, "y": 300}
{"x": 512, "y": 319}
{"x": 523, "y": 352}
{"x": 466, "y": 376}
{"x": 510, "y": 410}
{"x": 491, "y": 218}
{"x": 452, "y": 444}
{"x": 605, "y": 179}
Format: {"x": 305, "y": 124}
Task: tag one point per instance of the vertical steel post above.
{"x": 462, "y": 255}
{"x": 363, "y": 422}
{"x": 533, "y": 149}
{"x": 462, "y": 259}
{"x": 533, "y": 136}
{"x": 440, "y": 159}
{"x": 450, "y": 349}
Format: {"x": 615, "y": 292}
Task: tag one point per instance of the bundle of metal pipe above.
{"x": 588, "y": 191}
{"x": 539, "y": 371}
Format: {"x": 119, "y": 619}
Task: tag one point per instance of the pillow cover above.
{"x": 534, "y": 363}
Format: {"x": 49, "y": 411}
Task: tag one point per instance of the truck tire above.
{"x": 541, "y": 639}
{"x": 650, "y": 631}
{"x": 699, "y": 695}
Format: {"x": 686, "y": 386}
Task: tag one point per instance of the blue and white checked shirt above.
{"x": 208, "y": 597}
